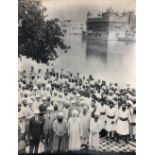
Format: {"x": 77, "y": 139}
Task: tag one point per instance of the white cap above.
{"x": 48, "y": 86}
{"x": 35, "y": 88}
{"x": 50, "y": 108}
{"x": 44, "y": 98}
{"x": 29, "y": 101}
{"x": 60, "y": 114}
{"x": 129, "y": 102}
{"x": 75, "y": 112}
{"x": 77, "y": 95}
{"x": 37, "y": 96}
{"x": 73, "y": 101}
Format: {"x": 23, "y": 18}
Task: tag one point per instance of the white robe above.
{"x": 66, "y": 113}
{"x": 110, "y": 112}
{"x": 103, "y": 117}
{"x": 75, "y": 132}
{"x": 122, "y": 127}
{"x": 85, "y": 120}
{"x": 95, "y": 128}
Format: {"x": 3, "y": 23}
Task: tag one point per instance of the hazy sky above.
{"x": 77, "y": 9}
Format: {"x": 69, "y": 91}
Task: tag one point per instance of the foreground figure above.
{"x": 95, "y": 128}
{"x": 35, "y": 131}
{"x": 60, "y": 132}
{"x": 74, "y": 131}
{"x": 123, "y": 120}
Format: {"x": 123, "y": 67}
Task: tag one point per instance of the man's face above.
{"x": 44, "y": 102}
{"x": 123, "y": 107}
{"x": 96, "y": 117}
{"x": 74, "y": 115}
{"x": 24, "y": 103}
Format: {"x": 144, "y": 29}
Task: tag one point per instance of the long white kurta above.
{"x": 103, "y": 117}
{"x": 75, "y": 132}
{"x": 95, "y": 128}
{"x": 110, "y": 112}
{"x": 122, "y": 127}
{"x": 85, "y": 121}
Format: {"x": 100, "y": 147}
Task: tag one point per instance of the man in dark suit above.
{"x": 35, "y": 131}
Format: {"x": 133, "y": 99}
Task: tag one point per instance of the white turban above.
{"x": 60, "y": 114}
{"x": 75, "y": 112}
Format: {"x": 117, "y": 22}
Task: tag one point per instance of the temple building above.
{"x": 110, "y": 25}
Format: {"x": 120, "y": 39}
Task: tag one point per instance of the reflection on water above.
{"x": 109, "y": 60}
{"x": 96, "y": 49}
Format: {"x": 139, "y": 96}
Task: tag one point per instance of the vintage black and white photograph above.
{"x": 76, "y": 76}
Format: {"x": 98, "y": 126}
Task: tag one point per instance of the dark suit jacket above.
{"x": 36, "y": 128}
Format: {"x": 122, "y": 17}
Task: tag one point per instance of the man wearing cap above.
{"x": 110, "y": 119}
{"x": 43, "y": 106}
{"x": 48, "y": 128}
{"x": 55, "y": 105}
{"x": 37, "y": 102}
{"x": 74, "y": 131}
{"x": 73, "y": 107}
{"x": 35, "y": 131}
{"x": 95, "y": 128}
{"x": 92, "y": 108}
{"x": 122, "y": 122}
{"x": 60, "y": 132}
{"x": 66, "y": 109}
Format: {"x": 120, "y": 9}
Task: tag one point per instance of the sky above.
{"x": 77, "y": 9}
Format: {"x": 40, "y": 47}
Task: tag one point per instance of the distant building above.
{"x": 72, "y": 27}
{"x": 110, "y": 25}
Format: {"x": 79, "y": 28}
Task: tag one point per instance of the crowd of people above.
{"x": 70, "y": 112}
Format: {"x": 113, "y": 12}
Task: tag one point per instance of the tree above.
{"x": 37, "y": 38}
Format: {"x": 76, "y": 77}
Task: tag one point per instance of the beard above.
{"x": 123, "y": 109}
{"x": 60, "y": 120}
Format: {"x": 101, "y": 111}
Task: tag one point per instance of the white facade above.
{"x": 73, "y": 27}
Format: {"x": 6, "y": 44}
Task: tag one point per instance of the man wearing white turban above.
{"x": 74, "y": 131}
{"x": 95, "y": 128}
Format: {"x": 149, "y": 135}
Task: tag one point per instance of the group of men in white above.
{"x": 67, "y": 112}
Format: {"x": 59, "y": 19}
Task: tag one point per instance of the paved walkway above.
{"x": 105, "y": 146}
